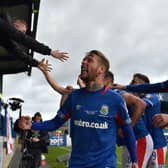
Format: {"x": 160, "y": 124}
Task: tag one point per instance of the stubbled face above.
{"x": 20, "y": 26}
{"x": 90, "y": 68}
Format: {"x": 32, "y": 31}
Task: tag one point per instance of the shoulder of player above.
{"x": 152, "y": 96}
{"x": 77, "y": 91}
{"x": 115, "y": 94}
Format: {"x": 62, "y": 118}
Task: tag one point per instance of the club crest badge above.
{"x": 104, "y": 110}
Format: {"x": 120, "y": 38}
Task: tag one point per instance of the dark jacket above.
{"x": 12, "y": 40}
{"x": 40, "y": 145}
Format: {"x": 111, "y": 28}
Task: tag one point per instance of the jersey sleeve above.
{"x": 151, "y": 100}
{"x": 130, "y": 141}
{"x": 124, "y": 121}
{"x": 122, "y": 115}
{"x": 63, "y": 114}
{"x": 149, "y": 88}
{"x": 148, "y": 102}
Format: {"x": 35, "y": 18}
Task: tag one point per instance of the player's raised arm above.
{"x": 44, "y": 66}
{"x": 53, "y": 83}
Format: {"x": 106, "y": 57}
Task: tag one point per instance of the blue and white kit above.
{"x": 94, "y": 118}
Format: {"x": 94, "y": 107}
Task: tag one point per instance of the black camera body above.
{"x": 15, "y": 103}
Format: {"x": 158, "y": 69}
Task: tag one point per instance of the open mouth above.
{"x": 83, "y": 69}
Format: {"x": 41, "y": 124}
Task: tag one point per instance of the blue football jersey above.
{"x": 153, "y": 107}
{"x": 93, "y": 127}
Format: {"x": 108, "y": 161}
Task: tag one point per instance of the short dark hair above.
{"x": 141, "y": 76}
{"x": 17, "y": 129}
{"x": 37, "y": 114}
{"x": 102, "y": 57}
{"x": 110, "y": 75}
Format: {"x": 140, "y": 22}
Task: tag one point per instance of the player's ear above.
{"x": 101, "y": 69}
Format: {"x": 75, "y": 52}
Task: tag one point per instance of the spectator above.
{"x": 13, "y": 38}
{"x": 39, "y": 141}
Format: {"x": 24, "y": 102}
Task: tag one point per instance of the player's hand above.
{"x": 65, "y": 91}
{"x": 44, "y": 66}
{"x": 25, "y": 123}
{"x": 160, "y": 120}
{"x": 62, "y": 56}
{"x": 134, "y": 165}
{"x": 35, "y": 139}
{"x": 68, "y": 89}
{"x": 117, "y": 86}
{"x": 120, "y": 133}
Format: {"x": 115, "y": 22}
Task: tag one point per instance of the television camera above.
{"x": 16, "y": 104}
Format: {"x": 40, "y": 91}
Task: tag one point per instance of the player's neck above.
{"x": 94, "y": 86}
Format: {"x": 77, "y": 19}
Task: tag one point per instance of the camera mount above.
{"x": 15, "y": 104}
